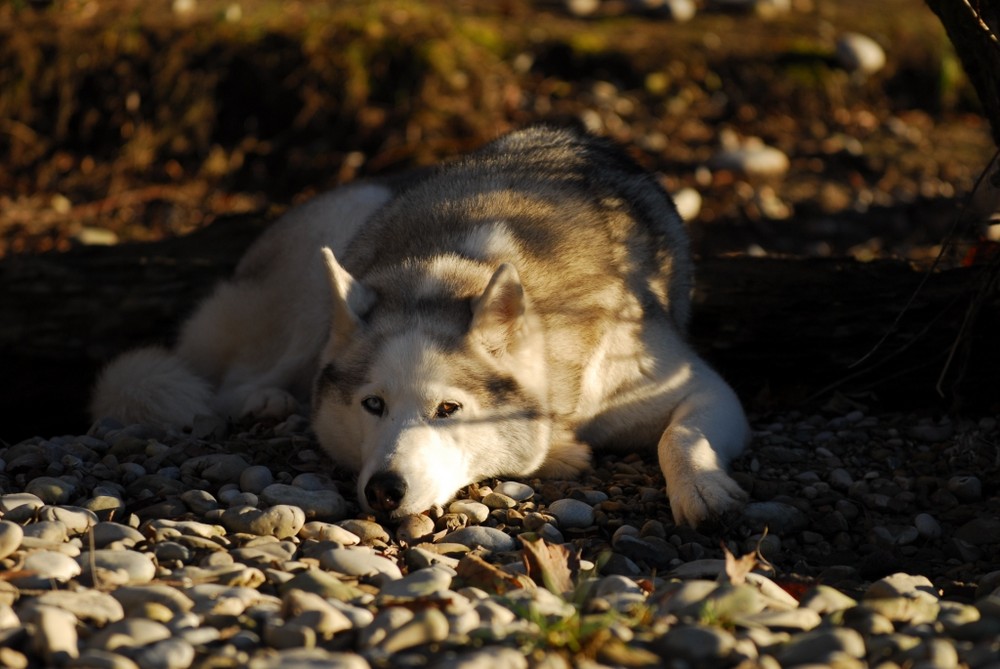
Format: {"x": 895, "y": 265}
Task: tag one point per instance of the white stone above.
{"x": 860, "y": 53}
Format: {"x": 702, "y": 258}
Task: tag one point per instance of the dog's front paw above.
{"x": 703, "y": 496}
{"x": 273, "y": 403}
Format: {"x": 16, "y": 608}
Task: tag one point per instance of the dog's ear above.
{"x": 498, "y": 314}
{"x": 351, "y": 300}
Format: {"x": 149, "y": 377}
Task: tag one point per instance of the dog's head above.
{"x": 429, "y": 391}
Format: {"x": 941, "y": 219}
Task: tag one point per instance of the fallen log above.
{"x": 785, "y": 332}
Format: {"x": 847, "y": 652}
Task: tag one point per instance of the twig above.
{"x": 945, "y": 245}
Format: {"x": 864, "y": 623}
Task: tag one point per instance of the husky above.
{"x": 496, "y": 316}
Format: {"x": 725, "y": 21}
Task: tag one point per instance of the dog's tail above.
{"x": 150, "y": 386}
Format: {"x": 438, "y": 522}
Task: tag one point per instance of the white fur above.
{"x": 252, "y": 346}
{"x": 151, "y": 386}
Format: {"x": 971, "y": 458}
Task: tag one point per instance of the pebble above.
{"x": 754, "y": 159}
{"x": 309, "y": 658}
{"x": 51, "y": 490}
{"x": 414, "y": 529}
{"x": 680, "y": 11}
{"x": 519, "y": 492}
{"x": 688, "y": 202}
{"x": 901, "y": 585}
{"x": 821, "y": 647}
{"x": 166, "y": 654}
{"x": 255, "y": 479}
{"x": 281, "y": 521}
{"x": 313, "y": 611}
{"x": 87, "y": 605}
{"x": 325, "y": 505}
{"x": 358, "y": 561}
{"x": 572, "y": 513}
{"x": 860, "y": 53}
{"x": 367, "y": 531}
{"x": 76, "y": 520}
{"x": 488, "y": 538}
{"x": 44, "y": 533}
{"x": 980, "y": 531}
{"x": 494, "y": 657}
{"x": 55, "y": 637}
{"x": 581, "y": 8}
{"x": 966, "y": 488}
{"x": 696, "y": 643}
{"x": 44, "y": 569}
{"x": 134, "y": 597}
{"x": 777, "y": 517}
{"x": 215, "y": 468}
{"x": 927, "y": 526}
{"x": 128, "y": 634}
{"x": 18, "y": 500}
{"x": 199, "y": 501}
{"x": 423, "y": 627}
{"x": 419, "y": 584}
{"x": 123, "y": 567}
{"x": 108, "y": 532}
{"x": 496, "y": 500}
{"x": 11, "y": 535}
{"x": 320, "y": 531}
{"x": 477, "y": 512}
{"x": 94, "y": 658}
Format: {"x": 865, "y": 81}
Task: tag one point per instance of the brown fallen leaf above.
{"x": 551, "y": 566}
{"x": 737, "y": 568}
{"x": 479, "y": 573}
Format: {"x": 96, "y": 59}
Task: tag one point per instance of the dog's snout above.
{"x": 385, "y": 491}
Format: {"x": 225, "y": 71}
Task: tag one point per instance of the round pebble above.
{"x": 320, "y": 531}
{"x": 92, "y": 606}
{"x": 753, "y": 159}
{"x": 55, "y": 637}
{"x": 966, "y": 488}
{"x": 215, "y": 467}
{"x": 696, "y": 643}
{"x": 123, "y": 566}
{"x": 367, "y": 531}
{"x": 517, "y": 491}
{"x": 421, "y": 583}
{"x": 414, "y": 529}
{"x": 572, "y": 513}
{"x": 108, "y": 532}
{"x": 10, "y": 537}
{"x": 860, "y": 53}
{"x": 51, "y": 490}
{"x": 45, "y": 569}
{"x": 488, "y": 538}
{"x": 325, "y": 505}
{"x": 477, "y": 512}
{"x": 281, "y": 521}
{"x": 358, "y": 561}
{"x": 496, "y": 500}
{"x": 255, "y": 478}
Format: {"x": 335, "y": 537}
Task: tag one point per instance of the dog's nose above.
{"x": 385, "y": 490}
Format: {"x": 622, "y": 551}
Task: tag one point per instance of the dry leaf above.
{"x": 552, "y": 566}
{"x": 738, "y": 568}
{"x": 479, "y": 573}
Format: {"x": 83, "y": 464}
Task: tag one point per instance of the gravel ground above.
{"x": 241, "y": 546}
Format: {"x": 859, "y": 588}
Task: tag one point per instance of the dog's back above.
{"x": 583, "y": 224}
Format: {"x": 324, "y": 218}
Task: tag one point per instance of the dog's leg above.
{"x": 707, "y": 429}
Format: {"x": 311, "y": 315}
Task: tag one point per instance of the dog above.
{"x": 495, "y": 316}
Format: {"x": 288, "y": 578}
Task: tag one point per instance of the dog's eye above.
{"x": 374, "y": 405}
{"x": 446, "y": 409}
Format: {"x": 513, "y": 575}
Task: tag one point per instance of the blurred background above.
{"x": 803, "y": 127}
{"x": 820, "y": 149}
